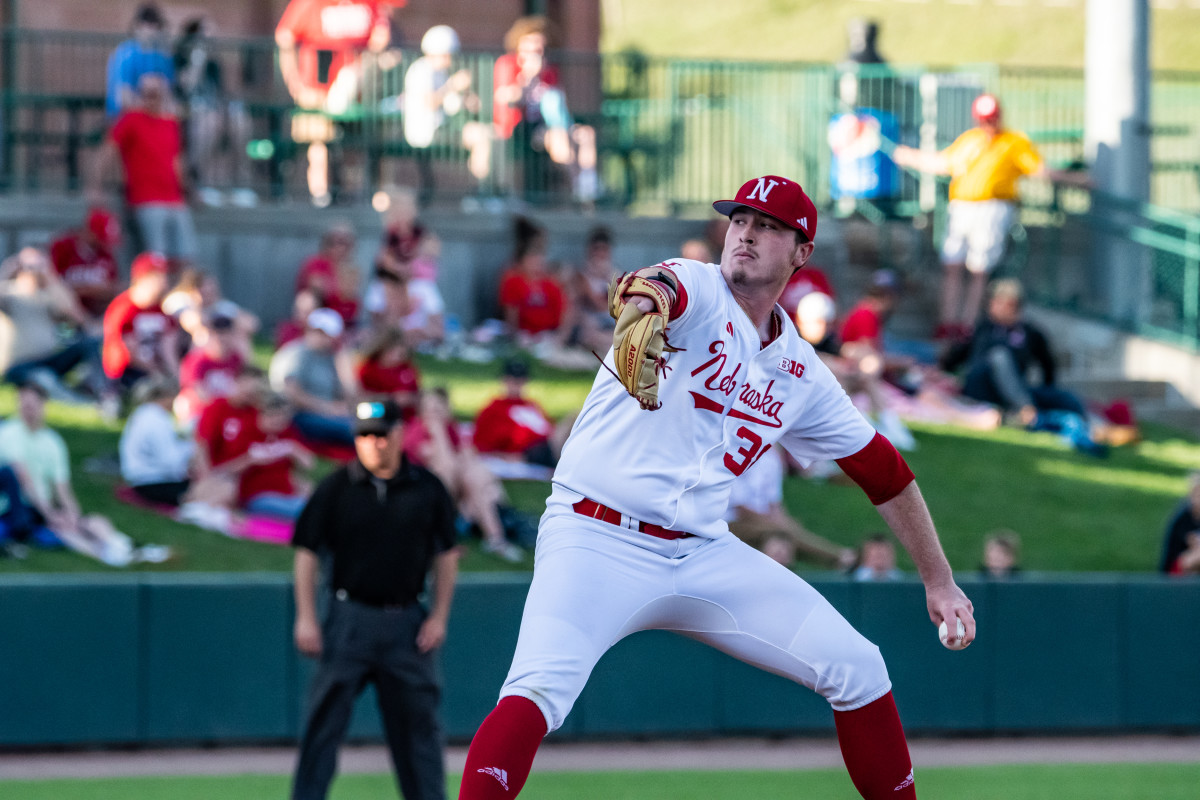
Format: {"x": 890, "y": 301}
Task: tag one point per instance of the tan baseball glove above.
{"x": 639, "y": 339}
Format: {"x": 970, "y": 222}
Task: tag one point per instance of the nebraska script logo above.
{"x": 757, "y": 401}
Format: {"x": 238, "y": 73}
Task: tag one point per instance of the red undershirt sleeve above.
{"x": 878, "y": 469}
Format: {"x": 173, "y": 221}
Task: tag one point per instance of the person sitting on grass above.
{"x": 139, "y": 339}
{"x": 514, "y": 428}
{"x": 386, "y": 369}
{"x": 1181, "y": 545}
{"x": 38, "y": 457}
{"x": 267, "y": 484}
{"x": 157, "y": 463}
{"x": 432, "y": 440}
{"x": 316, "y": 377}
{"x": 1001, "y": 554}
{"x": 877, "y": 560}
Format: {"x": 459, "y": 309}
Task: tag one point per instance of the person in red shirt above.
{"x": 802, "y": 283}
{"x": 148, "y": 144}
{"x": 386, "y": 369}
{"x": 289, "y": 330}
{"x": 267, "y": 485}
{"x": 432, "y": 440}
{"x": 139, "y": 339}
{"x": 333, "y": 274}
{"x": 229, "y": 425}
{"x": 863, "y": 326}
{"x": 84, "y": 259}
{"x": 320, "y": 48}
{"x": 530, "y": 107}
{"x": 515, "y": 428}
{"x": 211, "y": 367}
{"x": 531, "y": 300}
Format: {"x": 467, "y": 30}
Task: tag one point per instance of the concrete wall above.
{"x": 157, "y": 659}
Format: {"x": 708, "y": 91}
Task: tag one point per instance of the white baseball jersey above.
{"x": 726, "y": 400}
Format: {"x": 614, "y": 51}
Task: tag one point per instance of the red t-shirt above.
{"x": 539, "y": 301}
{"x": 863, "y": 324}
{"x": 200, "y": 373}
{"x": 804, "y": 282}
{"x": 148, "y": 325}
{"x": 226, "y": 431}
{"x": 378, "y": 379}
{"x": 319, "y": 273}
{"x": 149, "y": 146}
{"x": 331, "y": 32}
{"x": 511, "y": 425}
{"x": 507, "y": 72}
{"x": 275, "y": 475}
{"x": 91, "y": 272}
{"x": 416, "y": 434}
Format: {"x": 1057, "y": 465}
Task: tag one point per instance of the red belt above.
{"x": 590, "y": 508}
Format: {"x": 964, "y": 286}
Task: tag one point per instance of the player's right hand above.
{"x": 307, "y": 634}
{"x": 948, "y": 602}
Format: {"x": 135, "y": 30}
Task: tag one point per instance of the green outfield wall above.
{"x": 118, "y": 660}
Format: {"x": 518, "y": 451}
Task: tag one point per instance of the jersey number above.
{"x": 745, "y": 457}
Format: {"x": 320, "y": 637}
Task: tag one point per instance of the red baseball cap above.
{"x": 104, "y": 226}
{"x": 148, "y": 264}
{"x": 776, "y": 197}
{"x": 986, "y": 108}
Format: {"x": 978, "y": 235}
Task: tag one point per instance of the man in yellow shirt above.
{"x": 984, "y": 164}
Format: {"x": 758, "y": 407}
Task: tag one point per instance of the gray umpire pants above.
{"x": 364, "y": 644}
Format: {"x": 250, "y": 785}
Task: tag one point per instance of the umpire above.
{"x": 379, "y": 525}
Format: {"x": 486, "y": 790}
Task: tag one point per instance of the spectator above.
{"x": 532, "y": 301}
{"x": 935, "y": 399}
{"x": 304, "y": 303}
{"x": 86, "y": 262}
{"x": 139, "y": 339}
{"x": 146, "y": 141}
{"x": 158, "y": 463}
{"x": 531, "y": 109}
{"x": 432, "y": 440}
{"x": 211, "y": 116}
{"x": 757, "y": 516}
{"x": 404, "y": 292}
{"x": 589, "y": 322}
{"x": 867, "y": 365}
{"x": 267, "y": 485}
{"x": 998, "y": 359}
{"x": 803, "y": 283}
{"x": 21, "y": 525}
{"x": 211, "y": 367}
{"x": 143, "y": 53}
{"x": 432, "y": 93}
{"x": 333, "y": 274}
{"x": 696, "y": 250}
{"x": 514, "y": 428}
{"x": 196, "y": 295}
{"x": 35, "y": 303}
{"x": 381, "y": 526}
{"x": 984, "y": 164}
{"x": 877, "y": 560}
{"x": 314, "y": 377}
{"x": 386, "y": 371}
{"x": 320, "y": 48}
{"x": 1181, "y": 545}
{"x": 229, "y": 425}
{"x": 1001, "y": 554}
{"x": 38, "y": 456}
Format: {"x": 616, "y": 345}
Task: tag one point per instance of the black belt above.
{"x": 346, "y": 597}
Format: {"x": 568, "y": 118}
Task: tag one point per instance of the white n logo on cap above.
{"x": 762, "y": 189}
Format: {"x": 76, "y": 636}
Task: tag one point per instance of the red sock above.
{"x": 502, "y": 751}
{"x": 875, "y": 751}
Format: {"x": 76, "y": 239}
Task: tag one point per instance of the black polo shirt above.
{"x": 382, "y": 535}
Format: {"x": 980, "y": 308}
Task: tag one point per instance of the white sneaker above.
{"x": 896, "y": 431}
{"x": 505, "y": 551}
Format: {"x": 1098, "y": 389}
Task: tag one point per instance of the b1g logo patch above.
{"x": 793, "y": 368}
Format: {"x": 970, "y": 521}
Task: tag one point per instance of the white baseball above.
{"x": 957, "y": 642}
